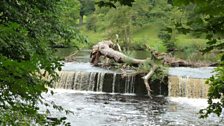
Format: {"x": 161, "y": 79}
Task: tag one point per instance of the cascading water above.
{"x": 92, "y": 109}
{"x": 84, "y": 76}
{"x": 99, "y": 84}
{"x": 129, "y": 81}
{"x": 96, "y": 81}
{"x": 188, "y": 82}
{"x": 113, "y": 83}
{"x": 187, "y": 87}
{"x": 91, "y": 81}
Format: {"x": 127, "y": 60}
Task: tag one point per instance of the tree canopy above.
{"x": 204, "y": 18}
{"x": 208, "y": 19}
{"x": 27, "y": 30}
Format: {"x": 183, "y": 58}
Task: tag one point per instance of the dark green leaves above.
{"x": 105, "y": 4}
{"x": 111, "y": 3}
{"x": 27, "y": 29}
{"x": 208, "y": 20}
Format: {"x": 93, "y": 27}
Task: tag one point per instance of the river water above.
{"x": 116, "y": 109}
{"x": 101, "y": 109}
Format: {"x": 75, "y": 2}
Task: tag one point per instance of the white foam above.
{"x": 194, "y": 102}
{"x": 198, "y": 103}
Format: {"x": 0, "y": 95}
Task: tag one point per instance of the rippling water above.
{"x": 100, "y": 109}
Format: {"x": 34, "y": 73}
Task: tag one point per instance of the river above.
{"x": 101, "y": 109}
{"x": 92, "y": 108}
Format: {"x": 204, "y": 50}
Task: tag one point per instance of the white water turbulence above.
{"x": 101, "y": 109}
{"x": 101, "y": 97}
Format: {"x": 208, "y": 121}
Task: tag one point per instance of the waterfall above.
{"x": 129, "y": 84}
{"x": 91, "y": 81}
{"x": 77, "y": 80}
{"x": 67, "y": 82}
{"x": 180, "y": 86}
{"x": 96, "y": 81}
{"x": 100, "y": 79}
{"x": 113, "y": 83}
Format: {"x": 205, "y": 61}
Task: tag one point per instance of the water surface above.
{"x": 100, "y": 109}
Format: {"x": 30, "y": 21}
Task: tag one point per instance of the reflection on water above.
{"x": 92, "y": 109}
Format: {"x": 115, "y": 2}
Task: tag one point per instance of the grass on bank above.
{"x": 188, "y": 46}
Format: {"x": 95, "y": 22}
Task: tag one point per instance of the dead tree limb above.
{"x": 147, "y": 77}
{"x": 105, "y": 48}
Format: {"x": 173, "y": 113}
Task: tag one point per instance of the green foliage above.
{"x": 91, "y": 23}
{"x": 27, "y": 28}
{"x": 216, "y": 90}
{"x": 87, "y": 7}
{"x": 120, "y": 24}
{"x": 168, "y": 41}
{"x": 111, "y": 3}
{"x": 141, "y": 24}
{"x": 67, "y": 14}
{"x": 160, "y": 73}
{"x": 208, "y": 19}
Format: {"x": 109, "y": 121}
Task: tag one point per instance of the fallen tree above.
{"x": 106, "y": 49}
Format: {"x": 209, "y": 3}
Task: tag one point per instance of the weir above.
{"x": 107, "y": 82}
{"x": 187, "y": 87}
{"x": 181, "y": 81}
{"x": 189, "y": 82}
